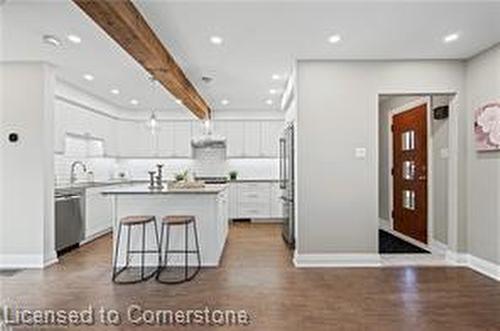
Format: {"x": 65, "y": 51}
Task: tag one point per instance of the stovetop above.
{"x": 213, "y": 180}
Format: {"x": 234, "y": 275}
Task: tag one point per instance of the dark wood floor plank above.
{"x": 257, "y": 275}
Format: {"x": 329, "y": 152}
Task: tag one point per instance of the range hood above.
{"x": 208, "y": 139}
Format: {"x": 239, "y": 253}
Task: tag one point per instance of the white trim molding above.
{"x": 20, "y": 261}
{"x": 475, "y": 263}
{"x": 346, "y": 260}
{"x": 438, "y": 247}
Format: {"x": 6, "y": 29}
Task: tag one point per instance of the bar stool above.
{"x": 178, "y": 220}
{"x": 130, "y": 222}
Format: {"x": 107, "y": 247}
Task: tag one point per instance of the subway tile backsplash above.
{"x": 208, "y": 163}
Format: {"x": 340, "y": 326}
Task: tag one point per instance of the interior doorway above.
{"x": 413, "y": 172}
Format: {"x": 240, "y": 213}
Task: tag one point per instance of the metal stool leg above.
{"x": 197, "y": 245}
{"x": 143, "y": 249}
{"x": 117, "y": 249}
{"x": 186, "y": 251}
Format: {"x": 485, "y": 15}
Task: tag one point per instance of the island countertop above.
{"x": 144, "y": 189}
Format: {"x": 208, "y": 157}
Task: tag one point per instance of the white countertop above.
{"x": 144, "y": 189}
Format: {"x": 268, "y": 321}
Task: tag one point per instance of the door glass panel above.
{"x": 408, "y": 140}
{"x": 409, "y": 170}
{"x": 409, "y": 199}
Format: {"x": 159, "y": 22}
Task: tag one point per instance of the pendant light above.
{"x": 152, "y": 122}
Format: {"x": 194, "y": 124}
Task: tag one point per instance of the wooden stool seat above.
{"x": 177, "y": 219}
{"x": 136, "y": 219}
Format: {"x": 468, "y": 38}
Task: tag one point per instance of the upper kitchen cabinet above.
{"x": 74, "y": 120}
{"x": 269, "y": 138}
{"x": 135, "y": 139}
{"x": 235, "y": 135}
{"x": 252, "y": 136}
{"x": 252, "y": 139}
{"x": 174, "y": 139}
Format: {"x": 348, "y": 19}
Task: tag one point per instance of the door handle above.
{"x": 422, "y": 178}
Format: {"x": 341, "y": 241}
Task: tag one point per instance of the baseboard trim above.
{"x": 52, "y": 259}
{"x": 384, "y": 224}
{"x": 267, "y": 220}
{"x": 96, "y": 236}
{"x": 475, "y": 263}
{"x": 438, "y": 248}
{"x": 336, "y": 260}
{"x": 21, "y": 261}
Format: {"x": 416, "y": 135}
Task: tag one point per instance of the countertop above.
{"x": 144, "y": 189}
{"x": 254, "y": 180}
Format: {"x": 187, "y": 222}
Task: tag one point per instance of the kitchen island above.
{"x": 208, "y": 204}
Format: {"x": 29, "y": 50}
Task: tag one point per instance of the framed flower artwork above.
{"x": 487, "y": 127}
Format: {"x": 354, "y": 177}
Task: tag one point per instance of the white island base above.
{"x": 208, "y": 205}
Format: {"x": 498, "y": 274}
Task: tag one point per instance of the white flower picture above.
{"x": 487, "y": 127}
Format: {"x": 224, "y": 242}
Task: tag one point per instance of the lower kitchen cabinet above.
{"x": 254, "y": 200}
{"x": 98, "y": 212}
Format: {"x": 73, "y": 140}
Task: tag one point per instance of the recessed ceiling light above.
{"x": 273, "y": 91}
{"x": 224, "y": 102}
{"x": 51, "y": 40}
{"x": 451, "y": 37}
{"x": 88, "y": 77}
{"x": 115, "y": 91}
{"x": 134, "y": 102}
{"x": 269, "y": 102}
{"x": 74, "y": 39}
{"x": 216, "y": 40}
{"x": 335, "y": 38}
{"x": 276, "y": 77}
{"x": 178, "y": 101}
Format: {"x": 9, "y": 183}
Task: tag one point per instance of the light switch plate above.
{"x": 444, "y": 153}
{"x": 360, "y": 153}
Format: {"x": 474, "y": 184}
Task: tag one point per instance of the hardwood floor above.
{"x": 257, "y": 275}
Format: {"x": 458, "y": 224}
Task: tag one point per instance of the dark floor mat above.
{"x": 390, "y": 244}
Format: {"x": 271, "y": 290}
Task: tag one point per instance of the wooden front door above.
{"x": 409, "y": 136}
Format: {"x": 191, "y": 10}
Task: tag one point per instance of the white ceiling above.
{"x": 261, "y": 38}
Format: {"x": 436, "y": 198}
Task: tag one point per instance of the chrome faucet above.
{"x": 72, "y": 178}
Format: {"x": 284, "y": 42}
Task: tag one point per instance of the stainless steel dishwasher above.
{"x": 70, "y": 229}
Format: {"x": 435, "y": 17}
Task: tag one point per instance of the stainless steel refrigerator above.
{"x": 286, "y": 172}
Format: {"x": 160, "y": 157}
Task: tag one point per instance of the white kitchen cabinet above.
{"x": 251, "y": 132}
{"x": 182, "y": 139}
{"x": 254, "y": 200}
{"x": 270, "y": 132}
{"x": 165, "y": 138}
{"x": 135, "y": 139}
{"x": 98, "y": 212}
{"x": 235, "y": 139}
{"x": 110, "y": 136}
{"x": 60, "y": 120}
{"x": 275, "y": 199}
{"x": 233, "y": 200}
{"x": 174, "y": 139}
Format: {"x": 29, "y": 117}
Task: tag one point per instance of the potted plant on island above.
{"x": 233, "y": 175}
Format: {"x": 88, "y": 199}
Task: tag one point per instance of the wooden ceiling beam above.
{"x": 123, "y": 22}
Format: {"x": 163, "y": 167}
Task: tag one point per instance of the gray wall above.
{"x": 337, "y": 113}
{"x": 440, "y": 136}
{"x": 483, "y": 195}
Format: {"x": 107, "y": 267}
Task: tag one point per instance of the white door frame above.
{"x": 430, "y": 175}
{"x": 453, "y": 139}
